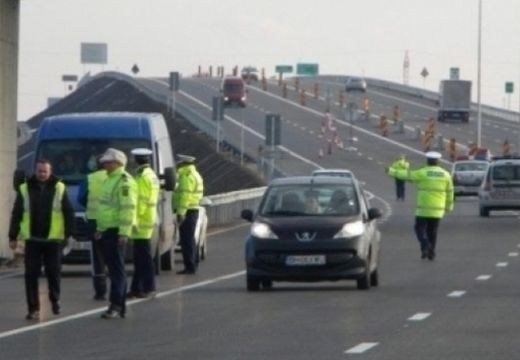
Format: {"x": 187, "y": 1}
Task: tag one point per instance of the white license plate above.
{"x": 305, "y": 260}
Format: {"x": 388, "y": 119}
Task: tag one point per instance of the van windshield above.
{"x": 507, "y": 172}
{"x": 72, "y": 160}
{"x": 233, "y": 87}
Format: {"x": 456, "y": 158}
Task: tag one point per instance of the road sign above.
{"x": 510, "y": 87}
{"x": 425, "y": 72}
{"x": 94, "y": 53}
{"x": 273, "y": 129}
{"x": 174, "y": 81}
{"x": 218, "y": 108}
{"x": 307, "y": 69}
{"x": 71, "y": 78}
{"x": 281, "y": 69}
{"x": 454, "y": 73}
{"x": 135, "y": 69}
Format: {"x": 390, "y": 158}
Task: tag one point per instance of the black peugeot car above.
{"x": 310, "y": 228}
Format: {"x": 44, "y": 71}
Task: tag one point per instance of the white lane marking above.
{"x": 370, "y": 158}
{"x": 311, "y": 132}
{"x": 227, "y": 229}
{"x": 99, "y": 310}
{"x": 26, "y": 156}
{"x": 361, "y": 348}
{"x": 419, "y": 317}
{"x": 360, "y": 154}
{"x": 11, "y": 274}
{"x": 456, "y": 294}
{"x": 512, "y": 254}
{"x": 502, "y": 264}
{"x": 483, "y": 277}
{"x": 303, "y": 128}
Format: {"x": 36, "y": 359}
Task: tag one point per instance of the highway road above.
{"x": 464, "y": 304}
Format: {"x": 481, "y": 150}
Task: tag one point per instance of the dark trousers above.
{"x": 36, "y": 254}
{"x": 114, "y": 255}
{"x": 143, "y": 280}
{"x": 190, "y": 253}
{"x": 99, "y": 276}
{"x": 426, "y": 231}
{"x": 399, "y": 188}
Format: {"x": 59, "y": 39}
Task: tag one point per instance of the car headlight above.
{"x": 351, "y": 230}
{"x": 262, "y": 231}
{"x": 226, "y": 98}
{"x": 243, "y": 98}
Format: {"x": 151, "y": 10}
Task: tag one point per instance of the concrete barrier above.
{"x": 226, "y": 208}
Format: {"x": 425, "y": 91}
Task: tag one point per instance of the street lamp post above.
{"x": 479, "y": 75}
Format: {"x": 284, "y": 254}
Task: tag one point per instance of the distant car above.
{"x": 249, "y": 73}
{"x": 467, "y": 176}
{"x": 312, "y": 228}
{"x": 334, "y": 172}
{"x": 234, "y": 91}
{"x": 500, "y": 189}
{"x": 354, "y": 83}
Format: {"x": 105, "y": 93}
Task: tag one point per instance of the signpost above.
{"x": 273, "y": 137}
{"x": 307, "y": 69}
{"x": 174, "y": 88}
{"x": 454, "y": 73}
{"x": 218, "y": 116}
{"x": 282, "y": 69}
{"x": 510, "y": 88}
{"x": 351, "y": 108}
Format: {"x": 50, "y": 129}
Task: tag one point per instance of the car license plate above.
{"x": 305, "y": 260}
{"x": 81, "y": 245}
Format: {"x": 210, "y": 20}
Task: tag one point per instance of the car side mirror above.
{"x": 374, "y": 213}
{"x": 247, "y": 215}
{"x": 19, "y": 178}
{"x": 169, "y": 179}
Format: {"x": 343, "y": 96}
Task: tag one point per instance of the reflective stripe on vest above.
{"x": 57, "y": 226}
{"x": 95, "y": 182}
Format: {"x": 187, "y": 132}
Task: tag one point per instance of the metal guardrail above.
{"x": 227, "y": 207}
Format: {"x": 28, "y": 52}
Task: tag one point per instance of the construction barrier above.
{"x": 316, "y": 90}
{"x": 264, "y": 84}
{"x": 452, "y": 149}
{"x": 302, "y": 97}
{"x": 341, "y": 98}
{"x": 383, "y": 125}
{"x": 297, "y": 84}
{"x": 284, "y": 90}
{"x": 210, "y": 71}
{"x": 199, "y": 71}
{"x": 397, "y": 114}
{"x": 506, "y": 148}
{"x": 366, "y": 108}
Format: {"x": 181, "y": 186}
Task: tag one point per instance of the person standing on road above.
{"x": 434, "y": 199}
{"x": 148, "y": 190}
{"x": 400, "y": 164}
{"x": 43, "y": 218}
{"x": 89, "y": 195}
{"x": 114, "y": 219}
{"x": 185, "y": 204}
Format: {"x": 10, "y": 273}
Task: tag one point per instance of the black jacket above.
{"x": 41, "y": 196}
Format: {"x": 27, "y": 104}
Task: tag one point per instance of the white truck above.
{"x": 454, "y": 100}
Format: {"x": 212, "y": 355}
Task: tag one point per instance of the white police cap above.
{"x": 141, "y": 152}
{"x": 112, "y": 154}
{"x": 185, "y": 158}
{"x": 434, "y": 155}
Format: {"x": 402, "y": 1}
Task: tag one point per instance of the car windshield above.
{"x": 232, "y": 87}
{"x": 310, "y": 200}
{"x": 509, "y": 172}
{"x": 344, "y": 174}
{"x": 73, "y": 159}
{"x": 471, "y": 166}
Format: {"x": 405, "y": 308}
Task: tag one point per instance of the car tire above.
{"x": 267, "y": 284}
{"x": 363, "y": 283}
{"x": 168, "y": 259}
{"x": 374, "y": 278}
{"x": 484, "y": 211}
{"x": 253, "y": 284}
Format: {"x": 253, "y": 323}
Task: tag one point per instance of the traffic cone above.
{"x": 320, "y": 153}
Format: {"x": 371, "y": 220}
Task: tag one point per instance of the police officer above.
{"x": 143, "y": 281}
{"x": 434, "y": 199}
{"x": 400, "y": 164}
{"x": 115, "y": 218}
{"x": 89, "y": 195}
{"x": 43, "y": 217}
{"x": 185, "y": 203}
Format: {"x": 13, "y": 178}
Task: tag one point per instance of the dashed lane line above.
{"x": 512, "y": 254}
{"x": 485, "y": 277}
{"x": 502, "y": 264}
{"x": 456, "y": 294}
{"x": 361, "y": 348}
{"x": 419, "y": 316}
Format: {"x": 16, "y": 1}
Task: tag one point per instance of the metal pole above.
{"x": 242, "y": 138}
{"x": 479, "y": 75}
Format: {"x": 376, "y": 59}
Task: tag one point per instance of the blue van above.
{"x": 72, "y": 142}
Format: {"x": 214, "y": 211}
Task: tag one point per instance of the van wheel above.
{"x": 168, "y": 259}
{"x": 484, "y": 211}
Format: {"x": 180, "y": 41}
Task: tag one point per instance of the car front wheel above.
{"x": 253, "y": 284}
{"x": 363, "y": 283}
{"x": 484, "y": 211}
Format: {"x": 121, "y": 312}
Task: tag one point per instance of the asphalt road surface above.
{"x": 462, "y": 305}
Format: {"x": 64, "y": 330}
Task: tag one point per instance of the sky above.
{"x": 361, "y": 37}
